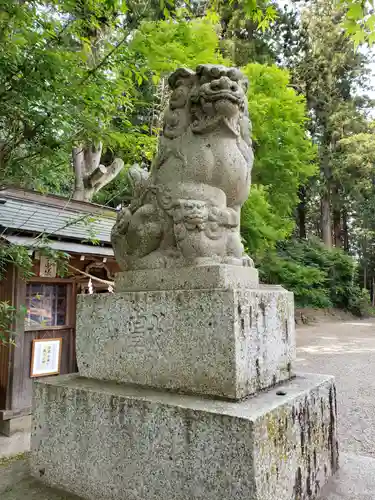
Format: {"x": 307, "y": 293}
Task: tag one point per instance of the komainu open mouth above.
{"x": 222, "y": 95}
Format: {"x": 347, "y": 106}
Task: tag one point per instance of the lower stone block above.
{"x": 101, "y": 440}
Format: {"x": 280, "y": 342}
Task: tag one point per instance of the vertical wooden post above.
{"x": 16, "y": 365}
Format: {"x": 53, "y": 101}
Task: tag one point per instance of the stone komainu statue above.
{"x": 186, "y": 211}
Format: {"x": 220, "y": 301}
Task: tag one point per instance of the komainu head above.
{"x": 213, "y": 96}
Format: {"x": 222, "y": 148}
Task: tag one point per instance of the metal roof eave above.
{"x": 64, "y": 246}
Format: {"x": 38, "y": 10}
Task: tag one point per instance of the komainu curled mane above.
{"x": 187, "y": 210}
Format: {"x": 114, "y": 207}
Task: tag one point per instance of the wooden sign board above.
{"x": 46, "y": 357}
{"x": 47, "y": 269}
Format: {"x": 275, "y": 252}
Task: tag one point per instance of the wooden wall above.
{"x": 15, "y": 381}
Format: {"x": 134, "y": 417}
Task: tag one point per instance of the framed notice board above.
{"x": 45, "y": 357}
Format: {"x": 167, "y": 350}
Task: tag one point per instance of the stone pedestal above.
{"x": 102, "y": 440}
{"x": 225, "y": 342}
{"x": 186, "y": 392}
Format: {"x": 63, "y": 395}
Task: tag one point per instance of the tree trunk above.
{"x": 345, "y": 229}
{"x": 326, "y": 176}
{"x": 78, "y": 165}
{"x": 364, "y": 256}
{"x": 365, "y": 275}
{"x": 336, "y": 202}
{"x": 326, "y": 226}
{"x": 337, "y": 228}
{"x": 90, "y": 175}
{"x": 301, "y": 213}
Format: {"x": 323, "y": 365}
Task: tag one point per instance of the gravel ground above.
{"x": 347, "y": 351}
{"x": 18, "y": 443}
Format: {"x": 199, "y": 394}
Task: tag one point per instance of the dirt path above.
{"x": 347, "y": 351}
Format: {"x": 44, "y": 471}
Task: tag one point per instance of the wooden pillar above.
{"x": 6, "y": 295}
{"x": 16, "y": 372}
{"x": 12, "y": 409}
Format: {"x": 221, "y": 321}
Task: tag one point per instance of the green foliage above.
{"x": 261, "y": 226}
{"x": 308, "y": 283}
{"x": 355, "y": 160}
{"x": 166, "y": 45}
{"x": 359, "y": 21}
{"x": 8, "y": 315}
{"x": 54, "y": 90}
{"x": 319, "y": 277}
{"x": 360, "y": 303}
{"x": 20, "y": 257}
{"x": 262, "y": 13}
{"x": 68, "y": 72}
{"x": 17, "y": 256}
{"x": 243, "y": 40}
{"x": 284, "y": 156}
{"x": 338, "y": 267}
{"x": 329, "y": 71}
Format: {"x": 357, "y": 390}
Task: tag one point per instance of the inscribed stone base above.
{"x": 102, "y": 440}
{"x": 226, "y": 343}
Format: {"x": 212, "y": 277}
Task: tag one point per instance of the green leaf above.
{"x": 355, "y": 11}
{"x": 370, "y": 22}
{"x": 351, "y": 27}
{"x": 371, "y": 38}
{"x": 358, "y": 37}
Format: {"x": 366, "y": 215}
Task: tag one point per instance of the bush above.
{"x": 319, "y": 277}
{"x": 360, "y": 303}
{"x": 309, "y": 284}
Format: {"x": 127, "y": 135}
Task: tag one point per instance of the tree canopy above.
{"x": 284, "y": 156}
